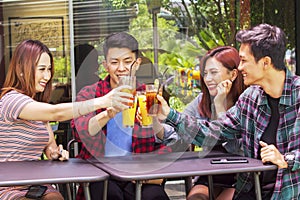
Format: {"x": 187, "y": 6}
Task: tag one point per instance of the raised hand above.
{"x": 164, "y": 108}
{"x": 223, "y": 89}
{"x": 119, "y": 98}
{"x": 111, "y": 112}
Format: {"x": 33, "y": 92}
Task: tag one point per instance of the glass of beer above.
{"x": 152, "y": 102}
{"x": 128, "y": 115}
{"x": 146, "y": 119}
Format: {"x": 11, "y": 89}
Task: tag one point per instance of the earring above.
{"x": 21, "y": 74}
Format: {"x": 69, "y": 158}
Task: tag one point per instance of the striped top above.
{"x": 19, "y": 139}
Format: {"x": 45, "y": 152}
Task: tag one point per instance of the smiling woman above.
{"x": 25, "y": 113}
{"x": 221, "y": 85}
{"x": 43, "y": 72}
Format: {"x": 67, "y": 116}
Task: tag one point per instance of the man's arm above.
{"x": 199, "y": 132}
{"x": 80, "y": 125}
{"x": 97, "y": 122}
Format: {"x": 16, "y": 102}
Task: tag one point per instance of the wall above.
{"x": 45, "y": 20}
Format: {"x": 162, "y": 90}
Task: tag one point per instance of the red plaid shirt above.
{"x": 143, "y": 139}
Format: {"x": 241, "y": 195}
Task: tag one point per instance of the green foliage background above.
{"x": 191, "y": 28}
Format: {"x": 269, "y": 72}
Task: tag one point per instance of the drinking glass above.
{"x": 128, "y": 115}
{"x": 146, "y": 119}
{"x": 131, "y": 81}
{"x": 152, "y": 102}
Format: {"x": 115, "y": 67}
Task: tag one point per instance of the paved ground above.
{"x": 175, "y": 190}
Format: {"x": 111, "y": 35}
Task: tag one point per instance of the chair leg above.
{"x": 65, "y": 190}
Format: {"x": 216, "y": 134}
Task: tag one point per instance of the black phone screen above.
{"x": 36, "y": 191}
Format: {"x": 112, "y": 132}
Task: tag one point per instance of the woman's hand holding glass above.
{"x": 117, "y": 99}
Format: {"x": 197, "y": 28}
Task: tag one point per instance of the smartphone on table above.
{"x": 229, "y": 161}
{"x": 36, "y": 191}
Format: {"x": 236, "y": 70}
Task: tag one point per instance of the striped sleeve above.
{"x": 12, "y": 105}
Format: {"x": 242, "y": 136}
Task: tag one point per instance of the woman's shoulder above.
{"x": 14, "y": 101}
{"x": 192, "y": 107}
{"x": 199, "y": 97}
{"x": 15, "y": 95}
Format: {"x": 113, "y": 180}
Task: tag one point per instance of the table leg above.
{"x": 211, "y": 188}
{"x": 69, "y": 191}
{"x": 138, "y": 190}
{"x": 188, "y": 182}
{"x": 86, "y": 191}
{"x": 257, "y": 186}
{"x": 105, "y": 186}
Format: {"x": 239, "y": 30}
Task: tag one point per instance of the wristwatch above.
{"x": 290, "y": 159}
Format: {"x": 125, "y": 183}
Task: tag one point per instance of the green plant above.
{"x": 175, "y": 50}
{"x": 62, "y": 69}
{"x": 176, "y": 103}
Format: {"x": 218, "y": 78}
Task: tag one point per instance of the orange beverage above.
{"x": 146, "y": 120}
{"x": 128, "y": 115}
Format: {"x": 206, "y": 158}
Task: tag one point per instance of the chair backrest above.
{"x": 56, "y": 95}
{"x": 61, "y": 94}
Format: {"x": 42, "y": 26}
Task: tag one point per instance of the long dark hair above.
{"x": 229, "y": 57}
{"x": 22, "y": 68}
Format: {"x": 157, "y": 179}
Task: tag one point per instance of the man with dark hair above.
{"x": 266, "y": 116}
{"x": 121, "y": 57}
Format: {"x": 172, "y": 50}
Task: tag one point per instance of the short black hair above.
{"x": 265, "y": 40}
{"x": 121, "y": 40}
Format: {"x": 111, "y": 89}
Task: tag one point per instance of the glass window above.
{"x": 172, "y": 34}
